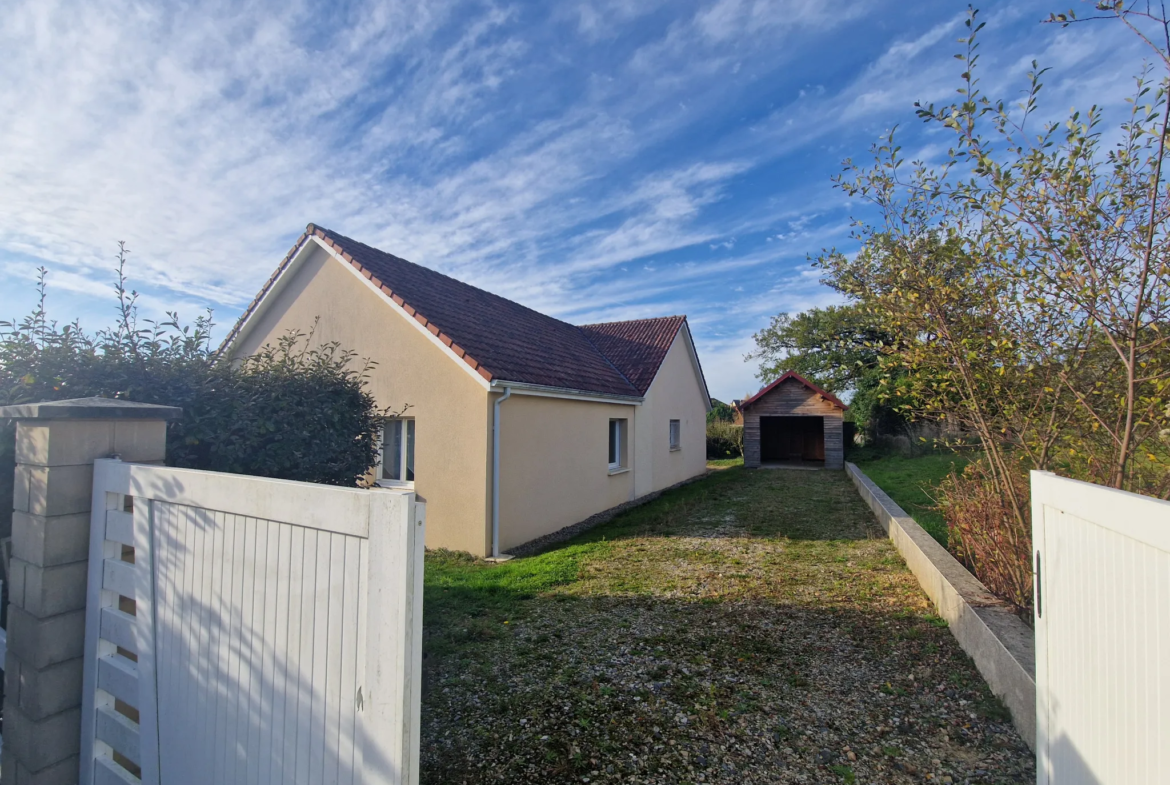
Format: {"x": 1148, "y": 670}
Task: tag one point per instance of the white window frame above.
{"x": 675, "y": 435}
{"x": 616, "y": 442}
{"x": 408, "y": 423}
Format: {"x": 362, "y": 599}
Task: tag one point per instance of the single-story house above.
{"x": 793, "y": 421}
{"x": 518, "y": 424}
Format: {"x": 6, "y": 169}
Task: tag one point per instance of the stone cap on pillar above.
{"x": 90, "y": 409}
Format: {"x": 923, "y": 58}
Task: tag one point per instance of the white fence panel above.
{"x": 236, "y": 633}
{"x": 3, "y": 651}
{"x": 1102, "y": 617}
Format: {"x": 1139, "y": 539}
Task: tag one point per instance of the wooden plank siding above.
{"x": 793, "y": 399}
{"x": 834, "y": 441}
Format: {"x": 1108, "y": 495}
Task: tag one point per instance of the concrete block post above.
{"x": 56, "y": 444}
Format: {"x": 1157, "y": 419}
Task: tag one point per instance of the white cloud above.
{"x": 172, "y": 130}
{"x": 728, "y": 375}
{"x": 600, "y": 19}
{"x": 607, "y": 158}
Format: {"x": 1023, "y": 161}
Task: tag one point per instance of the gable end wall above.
{"x": 451, "y": 409}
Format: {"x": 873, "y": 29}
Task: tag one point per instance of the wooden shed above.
{"x": 793, "y": 422}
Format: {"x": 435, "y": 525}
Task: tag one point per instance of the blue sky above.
{"x": 594, "y": 160}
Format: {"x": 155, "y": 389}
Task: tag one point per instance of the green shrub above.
{"x": 724, "y": 440}
{"x": 296, "y": 411}
{"x": 984, "y": 534}
{"x": 720, "y": 412}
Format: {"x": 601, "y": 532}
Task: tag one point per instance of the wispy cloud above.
{"x": 595, "y": 159}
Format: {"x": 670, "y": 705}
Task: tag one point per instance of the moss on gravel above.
{"x": 752, "y": 627}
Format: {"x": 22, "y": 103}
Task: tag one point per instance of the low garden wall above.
{"x": 986, "y": 627}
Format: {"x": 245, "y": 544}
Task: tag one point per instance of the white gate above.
{"x": 247, "y": 630}
{"x": 1102, "y": 580}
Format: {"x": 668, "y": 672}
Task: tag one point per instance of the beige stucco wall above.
{"x": 675, "y": 394}
{"x": 554, "y": 452}
{"x": 451, "y": 409}
{"x": 554, "y": 465}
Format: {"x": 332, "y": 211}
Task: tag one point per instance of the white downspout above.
{"x": 496, "y": 473}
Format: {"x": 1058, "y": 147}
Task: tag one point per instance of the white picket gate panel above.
{"x": 236, "y": 633}
{"x": 1102, "y": 580}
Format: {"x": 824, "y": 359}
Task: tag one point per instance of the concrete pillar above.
{"x": 56, "y": 444}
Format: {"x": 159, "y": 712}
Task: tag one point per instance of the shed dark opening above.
{"x": 792, "y": 439}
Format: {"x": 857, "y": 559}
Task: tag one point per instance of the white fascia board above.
{"x": 536, "y": 390}
{"x": 398, "y": 309}
{"x": 269, "y": 296}
{"x": 694, "y": 355}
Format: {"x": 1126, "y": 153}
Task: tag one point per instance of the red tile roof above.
{"x": 500, "y": 339}
{"x": 637, "y": 348}
{"x": 828, "y": 396}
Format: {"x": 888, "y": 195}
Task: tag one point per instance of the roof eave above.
{"x": 258, "y": 302}
{"x": 564, "y": 392}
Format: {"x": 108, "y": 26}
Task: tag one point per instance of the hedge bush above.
{"x": 296, "y": 411}
{"x": 724, "y": 440}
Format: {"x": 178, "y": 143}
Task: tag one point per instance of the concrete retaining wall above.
{"x": 987, "y": 628}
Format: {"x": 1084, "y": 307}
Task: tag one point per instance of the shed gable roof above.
{"x": 793, "y": 375}
{"x": 500, "y": 339}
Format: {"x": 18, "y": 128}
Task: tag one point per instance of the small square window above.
{"x": 397, "y": 458}
{"x": 675, "y": 435}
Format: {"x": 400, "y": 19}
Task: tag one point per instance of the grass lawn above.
{"x": 911, "y": 483}
{"x": 751, "y": 627}
{"x": 724, "y": 463}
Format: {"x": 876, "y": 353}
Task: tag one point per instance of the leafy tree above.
{"x": 831, "y": 346}
{"x": 1026, "y": 283}
{"x": 720, "y": 412}
{"x": 839, "y": 348}
{"x": 1035, "y": 264}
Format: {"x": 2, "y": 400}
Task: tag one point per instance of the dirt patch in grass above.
{"x": 754, "y": 627}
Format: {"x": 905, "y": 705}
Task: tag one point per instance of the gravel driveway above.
{"x": 753, "y": 627}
